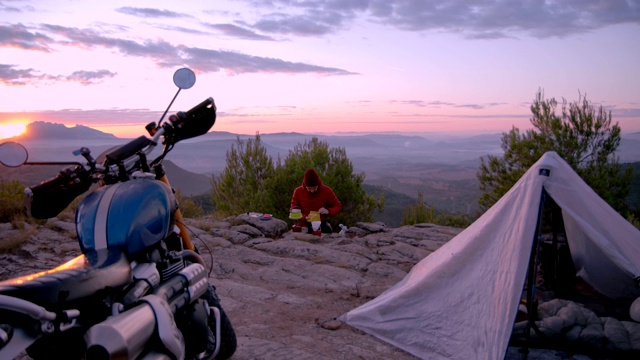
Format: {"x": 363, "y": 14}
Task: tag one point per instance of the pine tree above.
{"x": 242, "y": 185}
{"x": 582, "y": 135}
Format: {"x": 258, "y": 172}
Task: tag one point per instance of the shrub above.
{"x": 188, "y": 206}
{"x": 252, "y": 183}
{"x": 12, "y": 243}
{"x": 11, "y": 200}
{"x": 420, "y": 213}
{"x": 242, "y": 185}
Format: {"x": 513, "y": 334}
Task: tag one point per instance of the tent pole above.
{"x": 531, "y": 275}
{"x": 555, "y": 223}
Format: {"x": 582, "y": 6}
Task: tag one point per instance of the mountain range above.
{"x": 441, "y": 166}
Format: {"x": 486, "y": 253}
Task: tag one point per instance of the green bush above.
{"x": 419, "y": 213}
{"x": 242, "y": 185}
{"x": 11, "y": 200}
{"x": 251, "y": 182}
{"x": 188, "y": 207}
{"x": 336, "y": 171}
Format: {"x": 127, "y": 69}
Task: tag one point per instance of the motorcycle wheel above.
{"x": 228, "y": 341}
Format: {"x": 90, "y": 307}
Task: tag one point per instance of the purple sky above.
{"x": 317, "y": 66}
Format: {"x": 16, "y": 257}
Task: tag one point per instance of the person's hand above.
{"x": 323, "y": 211}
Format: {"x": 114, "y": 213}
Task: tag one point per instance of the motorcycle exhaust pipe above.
{"x": 123, "y": 336}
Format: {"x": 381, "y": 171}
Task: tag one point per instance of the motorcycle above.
{"x": 140, "y": 289}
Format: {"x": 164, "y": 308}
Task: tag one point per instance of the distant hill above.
{"x": 394, "y": 205}
{"x": 188, "y": 183}
{"x": 629, "y": 148}
{"x": 441, "y": 166}
{"x": 633, "y": 135}
{"x": 41, "y": 130}
{"x": 217, "y": 135}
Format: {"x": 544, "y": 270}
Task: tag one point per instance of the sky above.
{"x": 312, "y": 66}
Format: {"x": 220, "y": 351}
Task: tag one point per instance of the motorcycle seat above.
{"x": 75, "y": 279}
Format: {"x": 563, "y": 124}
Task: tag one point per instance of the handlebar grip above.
{"x": 127, "y": 150}
{"x": 50, "y": 197}
{"x": 49, "y": 184}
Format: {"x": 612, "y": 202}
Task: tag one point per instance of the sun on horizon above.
{"x": 12, "y": 129}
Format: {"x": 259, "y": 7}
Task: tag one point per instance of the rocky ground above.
{"x": 281, "y": 290}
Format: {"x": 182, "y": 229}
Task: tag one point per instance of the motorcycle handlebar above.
{"x": 184, "y": 125}
{"x": 195, "y": 122}
{"x": 50, "y": 197}
{"x": 129, "y": 149}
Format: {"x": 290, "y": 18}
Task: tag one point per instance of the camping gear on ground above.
{"x": 315, "y": 226}
{"x": 460, "y": 302}
{"x": 266, "y": 217}
{"x": 313, "y": 216}
{"x": 314, "y": 219}
{"x": 295, "y": 214}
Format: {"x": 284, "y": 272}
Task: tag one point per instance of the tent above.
{"x": 460, "y": 302}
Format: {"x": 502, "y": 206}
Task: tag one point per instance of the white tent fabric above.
{"x": 460, "y": 302}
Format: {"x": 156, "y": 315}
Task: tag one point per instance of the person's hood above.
{"x": 311, "y": 177}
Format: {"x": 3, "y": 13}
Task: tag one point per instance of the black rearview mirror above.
{"x": 13, "y": 154}
{"x": 184, "y": 78}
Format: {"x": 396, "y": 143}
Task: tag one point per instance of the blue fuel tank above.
{"x": 128, "y": 216}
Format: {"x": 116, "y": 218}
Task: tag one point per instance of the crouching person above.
{"x": 316, "y": 201}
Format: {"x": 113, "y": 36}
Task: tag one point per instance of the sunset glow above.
{"x": 273, "y": 66}
{"x": 11, "y": 130}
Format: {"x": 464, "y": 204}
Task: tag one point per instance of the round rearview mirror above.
{"x": 13, "y": 154}
{"x": 184, "y": 78}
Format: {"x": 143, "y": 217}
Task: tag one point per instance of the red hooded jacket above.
{"x": 308, "y": 201}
